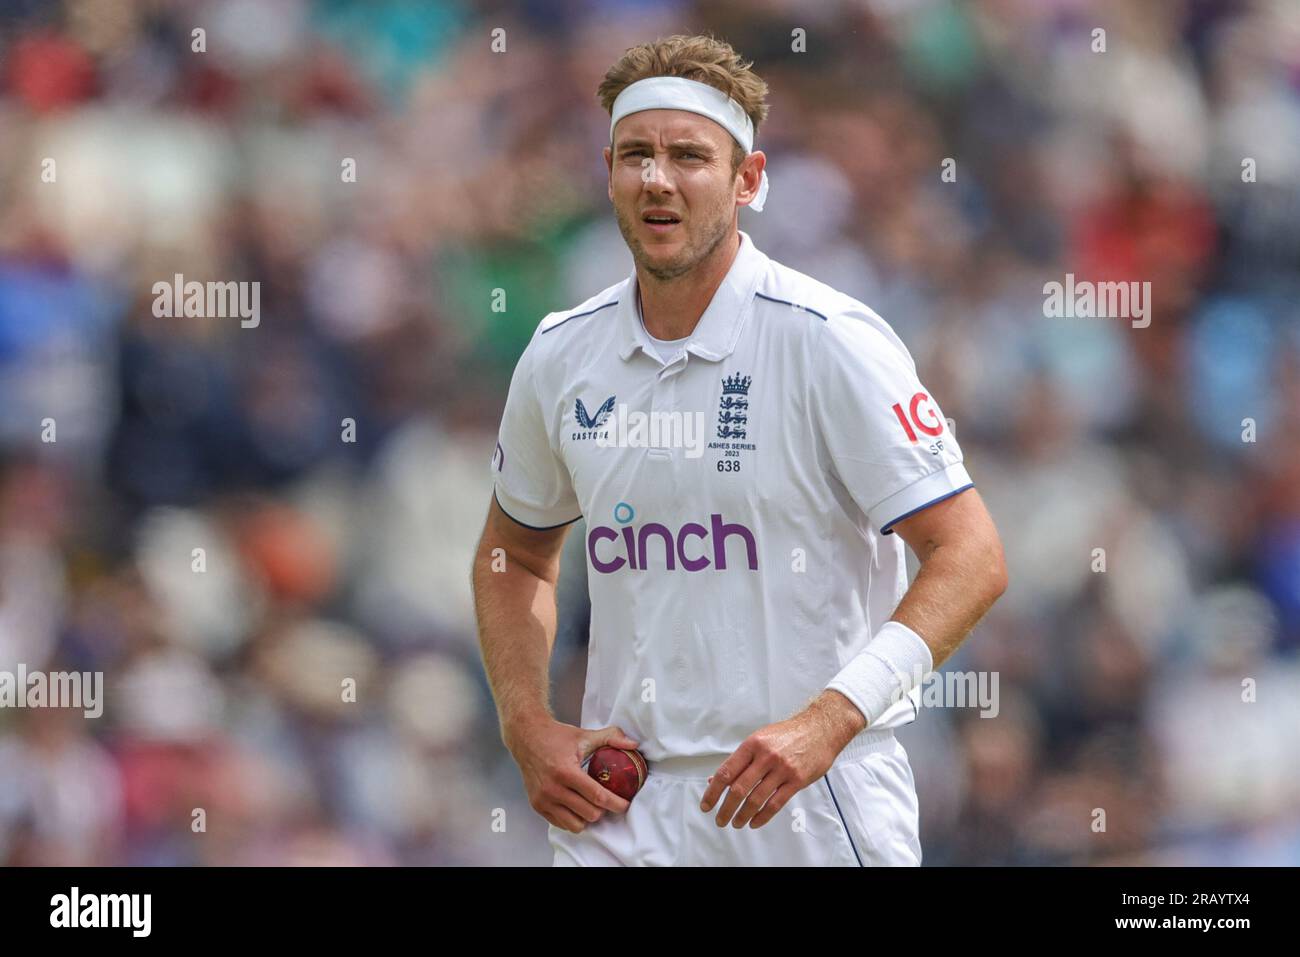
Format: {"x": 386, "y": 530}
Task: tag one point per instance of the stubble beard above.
{"x": 691, "y": 255}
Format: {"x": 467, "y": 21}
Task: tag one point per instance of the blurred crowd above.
{"x": 262, "y": 536}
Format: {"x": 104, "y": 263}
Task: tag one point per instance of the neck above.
{"x": 671, "y": 308}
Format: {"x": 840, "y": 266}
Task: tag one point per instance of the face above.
{"x": 677, "y": 164}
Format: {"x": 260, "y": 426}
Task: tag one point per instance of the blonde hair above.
{"x": 703, "y": 58}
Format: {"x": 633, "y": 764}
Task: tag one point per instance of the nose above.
{"x": 654, "y": 175}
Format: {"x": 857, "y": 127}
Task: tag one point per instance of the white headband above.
{"x": 679, "y": 93}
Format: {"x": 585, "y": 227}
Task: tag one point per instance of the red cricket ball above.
{"x": 621, "y": 771}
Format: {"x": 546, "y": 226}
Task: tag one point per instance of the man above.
{"x": 747, "y": 632}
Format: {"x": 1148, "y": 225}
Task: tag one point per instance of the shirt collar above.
{"x": 718, "y": 330}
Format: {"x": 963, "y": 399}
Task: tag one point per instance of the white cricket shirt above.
{"x": 732, "y": 574}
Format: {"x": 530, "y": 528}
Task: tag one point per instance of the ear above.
{"x": 609, "y": 168}
{"x": 751, "y": 177}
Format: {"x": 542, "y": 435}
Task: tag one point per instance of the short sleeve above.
{"x": 532, "y": 484}
{"x": 888, "y": 441}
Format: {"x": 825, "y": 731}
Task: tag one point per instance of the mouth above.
{"x": 660, "y": 221}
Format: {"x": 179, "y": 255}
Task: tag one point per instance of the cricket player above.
{"x": 750, "y": 449}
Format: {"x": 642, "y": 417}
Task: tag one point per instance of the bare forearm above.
{"x": 955, "y": 587}
{"x": 836, "y": 718}
{"x": 516, "y": 626}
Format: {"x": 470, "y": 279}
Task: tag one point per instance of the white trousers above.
{"x": 861, "y": 813}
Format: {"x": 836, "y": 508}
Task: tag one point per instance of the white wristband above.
{"x": 894, "y": 662}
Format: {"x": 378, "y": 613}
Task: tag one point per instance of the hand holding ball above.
{"x": 619, "y": 770}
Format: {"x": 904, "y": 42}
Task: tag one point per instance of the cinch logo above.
{"x": 632, "y": 544}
